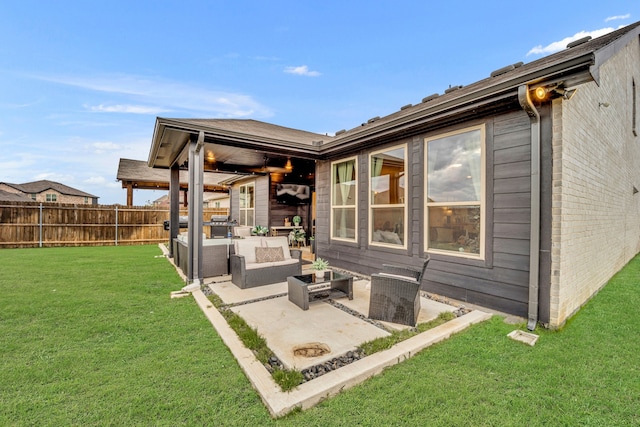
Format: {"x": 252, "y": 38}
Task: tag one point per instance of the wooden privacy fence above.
{"x": 34, "y": 224}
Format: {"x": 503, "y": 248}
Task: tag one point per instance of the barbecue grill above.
{"x": 221, "y": 226}
{"x": 184, "y": 222}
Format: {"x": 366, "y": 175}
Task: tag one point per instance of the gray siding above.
{"x": 499, "y": 281}
{"x": 261, "y": 203}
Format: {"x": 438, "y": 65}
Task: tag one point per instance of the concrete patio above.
{"x": 339, "y": 327}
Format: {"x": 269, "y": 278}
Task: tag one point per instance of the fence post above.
{"x": 40, "y": 226}
{"x": 116, "y": 225}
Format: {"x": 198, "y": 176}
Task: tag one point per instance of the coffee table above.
{"x": 306, "y": 287}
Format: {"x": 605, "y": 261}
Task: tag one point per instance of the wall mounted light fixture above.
{"x": 542, "y": 93}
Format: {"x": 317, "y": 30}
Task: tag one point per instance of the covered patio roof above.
{"x": 137, "y": 175}
{"x": 240, "y": 147}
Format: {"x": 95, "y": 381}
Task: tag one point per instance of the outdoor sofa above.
{"x": 258, "y": 261}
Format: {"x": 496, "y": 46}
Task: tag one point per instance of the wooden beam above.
{"x": 129, "y": 194}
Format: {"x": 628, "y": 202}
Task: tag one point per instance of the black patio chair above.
{"x": 395, "y": 294}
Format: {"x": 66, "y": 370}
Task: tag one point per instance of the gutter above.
{"x": 534, "y": 241}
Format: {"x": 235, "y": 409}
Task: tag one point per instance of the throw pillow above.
{"x": 269, "y": 254}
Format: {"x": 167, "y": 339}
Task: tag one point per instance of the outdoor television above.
{"x": 293, "y": 194}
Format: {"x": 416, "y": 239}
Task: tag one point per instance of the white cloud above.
{"x": 614, "y": 18}
{"x": 104, "y": 147}
{"x": 149, "y": 95}
{"x": 562, "y": 44}
{"x": 66, "y": 179}
{"x": 100, "y": 182}
{"x": 132, "y": 109}
{"x": 302, "y": 70}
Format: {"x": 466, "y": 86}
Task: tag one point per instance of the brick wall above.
{"x": 596, "y": 164}
{"x": 62, "y": 198}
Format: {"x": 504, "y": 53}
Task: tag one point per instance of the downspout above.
{"x": 534, "y": 241}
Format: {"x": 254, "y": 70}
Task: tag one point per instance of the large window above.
{"x": 247, "y": 204}
{"x": 51, "y": 197}
{"x": 344, "y": 191}
{"x": 455, "y": 193}
{"x": 387, "y": 195}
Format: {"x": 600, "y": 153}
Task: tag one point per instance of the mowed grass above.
{"x": 89, "y": 336}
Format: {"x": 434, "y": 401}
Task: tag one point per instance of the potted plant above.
{"x": 297, "y": 236}
{"x": 260, "y": 230}
{"x": 296, "y": 220}
{"x": 320, "y": 265}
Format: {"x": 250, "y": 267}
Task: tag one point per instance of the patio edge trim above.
{"x": 311, "y": 393}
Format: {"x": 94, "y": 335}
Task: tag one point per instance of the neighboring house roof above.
{"x": 215, "y": 196}
{"x": 6, "y": 196}
{"x": 41, "y": 186}
{"x": 577, "y": 64}
{"x": 141, "y": 176}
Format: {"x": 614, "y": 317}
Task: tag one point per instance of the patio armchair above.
{"x": 395, "y": 294}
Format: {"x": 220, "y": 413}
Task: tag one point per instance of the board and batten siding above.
{"x": 501, "y": 280}
{"x": 261, "y": 184}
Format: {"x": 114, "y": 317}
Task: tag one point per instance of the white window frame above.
{"x": 242, "y": 212}
{"x": 402, "y": 205}
{"x": 355, "y": 201}
{"x": 481, "y": 202}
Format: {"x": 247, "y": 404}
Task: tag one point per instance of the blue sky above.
{"x": 82, "y": 82}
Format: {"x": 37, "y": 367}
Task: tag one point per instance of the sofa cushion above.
{"x": 269, "y": 254}
{"x": 261, "y": 265}
{"x": 279, "y": 241}
{"x": 247, "y": 248}
{"x": 242, "y": 231}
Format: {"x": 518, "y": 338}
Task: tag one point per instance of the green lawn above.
{"x": 89, "y": 336}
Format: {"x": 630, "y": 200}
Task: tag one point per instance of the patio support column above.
{"x": 174, "y": 206}
{"x": 196, "y": 187}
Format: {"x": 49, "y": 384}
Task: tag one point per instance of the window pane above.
{"x": 243, "y": 197}
{"x": 455, "y": 228}
{"x": 453, "y": 168}
{"x": 387, "y": 225}
{"x": 250, "y": 220}
{"x": 387, "y": 177}
{"x": 343, "y": 189}
{"x": 250, "y": 196}
{"x": 344, "y": 224}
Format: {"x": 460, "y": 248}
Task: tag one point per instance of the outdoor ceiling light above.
{"x": 211, "y": 158}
